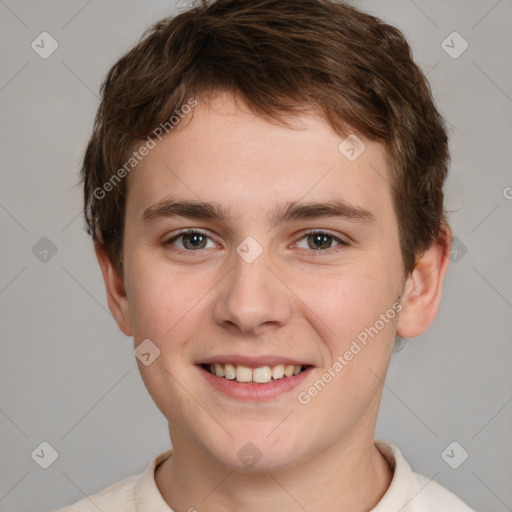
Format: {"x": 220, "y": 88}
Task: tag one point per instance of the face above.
{"x": 305, "y": 257}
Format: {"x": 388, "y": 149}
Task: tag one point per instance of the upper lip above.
{"x": 253, "y": 361}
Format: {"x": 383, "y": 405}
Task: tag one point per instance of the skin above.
{"x": 291, "y": 301}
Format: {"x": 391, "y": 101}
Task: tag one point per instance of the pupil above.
{"x": 319, "y": 239}
{"x": 195, "y": 240}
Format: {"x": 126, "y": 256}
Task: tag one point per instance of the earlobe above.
{"x": 114, "y": 286}
{"x": 423, "y": 288}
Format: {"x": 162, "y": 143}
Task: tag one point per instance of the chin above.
{"x": 257, "y": 452}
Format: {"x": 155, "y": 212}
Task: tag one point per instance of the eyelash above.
{"x": 341, "y": 243}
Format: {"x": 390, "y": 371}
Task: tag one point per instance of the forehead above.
{"x": 222, "y": 152}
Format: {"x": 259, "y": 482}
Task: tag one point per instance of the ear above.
{"x": 422, "y": 293}
{"x": 114, "y": 285}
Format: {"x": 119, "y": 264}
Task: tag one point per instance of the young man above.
{"x": 264, "y": 189}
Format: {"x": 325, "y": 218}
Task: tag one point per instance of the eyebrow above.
{"x": 287, "y": 212}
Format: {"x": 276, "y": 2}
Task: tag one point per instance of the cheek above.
{"x": 163, "y": 298}
{"x": 347, "y": 301}
{"x": 358, "y": 340}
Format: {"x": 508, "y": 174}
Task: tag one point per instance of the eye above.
{"x": 316, "y": 240}
{"x": 192, "y": 240}
{"x": 321, "y": 241}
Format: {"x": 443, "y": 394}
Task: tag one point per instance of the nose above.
{"x": 252, "y": 298}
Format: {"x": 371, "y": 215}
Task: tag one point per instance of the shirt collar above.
{"x": 401, "y": 491}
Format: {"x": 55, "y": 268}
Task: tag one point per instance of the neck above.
{"x": 351, "y": 475}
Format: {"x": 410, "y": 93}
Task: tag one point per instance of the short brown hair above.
{"x": 278, "y": 56}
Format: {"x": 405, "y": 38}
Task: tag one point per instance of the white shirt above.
{"x": 408, "y": 491}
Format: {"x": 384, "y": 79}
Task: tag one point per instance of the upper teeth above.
{"x": 260, "y": 375}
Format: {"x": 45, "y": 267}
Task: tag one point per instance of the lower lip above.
{"x": 251, "y": 391}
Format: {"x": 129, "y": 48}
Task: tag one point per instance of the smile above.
{"x": 260, "y": 375}
{"x": 261, "y": 382}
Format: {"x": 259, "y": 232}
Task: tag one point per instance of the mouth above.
{"x": 261, "y": 375}
{"x": 259, "y": 379}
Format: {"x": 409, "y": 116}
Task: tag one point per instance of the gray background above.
{"x": 68, "y": 376}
